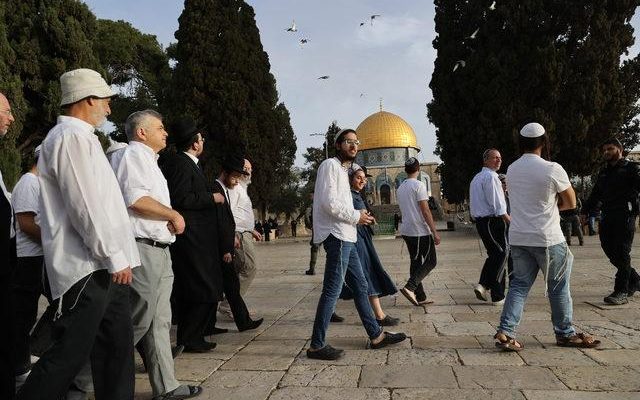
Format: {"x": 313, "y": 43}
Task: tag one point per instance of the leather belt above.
{"x": 152, "y": 243}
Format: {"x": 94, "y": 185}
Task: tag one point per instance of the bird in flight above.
{"x": 324, "y": 77}
{"x": 492, "y": 6}
{"x": 459, "y": 64}
{"x": 361, "y": 23}
{"x": 374, "y": 16}
{"x": 304, "y": 41}
{"x": 292, "y": 28}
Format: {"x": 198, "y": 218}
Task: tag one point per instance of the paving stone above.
{"x": 327, "y": 393}
{"x": 229, "y": 379}
{"x": 549, "y": 342}
{"x": 556, "y": 356}
{"x": 265, "y": 355}
{"x": 523, "y": 377}
{"x": 440, "y": 317}
{"x": 445, "y": 342}
{"x": 321, "y": 375}
{"x": 615, "y": 357}
{"x": 529, "y": 342}
{"x": 236, "y": 393}
{"x": 599, "y": 378}
{"x": 575, "y": 395}
{"x": 621, "y": 335}
{"x": 350, "y": 357}
{"x": 488, "y": 357}
{"x": 399, "y": 376}
{"x": 423, "y": 357}
{"x": 464, "y": 328}
{"x": 287, "y": 331}
{"x": 437, "y": 308}
{"x": 456, "y": 394}
{"x": 195, "y": 369}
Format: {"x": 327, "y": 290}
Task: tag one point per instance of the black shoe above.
{"x": 616, "y": 298}
{"x": 176, "y": 351}
{"x": 389, "y": 338}
{"x": 251, "y": 325}
{"x": 180, "y": 393}
{"x": 203, "y": 347}
{"x": 388, "y": 321}
{"x": 218, "y": 331}
{"x": 310, "y": 271}
{"x": 633, "y": 289}
{"x": 336, "y": 318}
{"x": 325, "y": 353}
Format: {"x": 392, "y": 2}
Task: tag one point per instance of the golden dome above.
{"x": 383, "y": 130}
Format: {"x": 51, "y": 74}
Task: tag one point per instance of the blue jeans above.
{"x": 527, "y": 261}
{"x": 342, "y": 265}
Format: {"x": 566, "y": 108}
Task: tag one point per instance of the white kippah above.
{"x": 532, "y": 130}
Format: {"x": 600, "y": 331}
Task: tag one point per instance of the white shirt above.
{"x": 333, "y": 212}
{"x": 83, "y": 218}
{"x": 26, "y": 199}
{"x": 138, "y": 174}
{"x": 533, "y": 187}
{"x": 7, "y": 195}
{"x": 410, "y": 192}
{"x": 486, "y": 195}
{"x": 241, "y": 208}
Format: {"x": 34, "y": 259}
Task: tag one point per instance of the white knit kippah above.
{"x": 532, "y": 130}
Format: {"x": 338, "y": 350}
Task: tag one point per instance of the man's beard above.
{"x": 245, "y": 182}
{"x": 345, "y": 156}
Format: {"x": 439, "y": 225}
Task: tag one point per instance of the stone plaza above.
{"x": 450, "y": 352}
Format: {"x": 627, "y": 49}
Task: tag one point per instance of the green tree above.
{"x": 222, "y": 79}
{"x": 550, "y": 61}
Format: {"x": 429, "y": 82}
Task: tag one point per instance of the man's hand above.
{"x": 236, "y": 242}
{"x": 256, "y": 235}
{"x": 218, "y": 198}
{"x": 365, "y": 218}
{"x": 506, "y": 218}
{"x": 436, "y": 238}
{"x": 227, "y": 258}
{"x": 123, "y": 277}
{"x": 177, "y": 223}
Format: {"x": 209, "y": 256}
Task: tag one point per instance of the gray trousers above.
{"x": 151, "y": 315}
{"x": 246, "y": 261}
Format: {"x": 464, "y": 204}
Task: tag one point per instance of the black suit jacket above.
{"x": 7, "y": 263}
{"x": 195, "y": 254}
{"x": 226, "y": 223}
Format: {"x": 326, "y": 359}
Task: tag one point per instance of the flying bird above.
{"x": 492, "y": 6}
{"x": 324, "y": 77}
{"x": 304, "y": 41}
{"x": 374, "y": 16}
{"x": 459, "y": 64}
{"x": 474, "y": 34}
{"x": 361, "y": 23}
{"x": 292, "y": 28}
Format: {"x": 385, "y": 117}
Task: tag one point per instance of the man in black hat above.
{"x": 232, "y": 170}
{"x": 195, "y": 257}
{"x": 616, "y": 194}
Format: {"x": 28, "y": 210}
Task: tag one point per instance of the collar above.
{"x": 191, "y": 156}
{"x": 84, "y": 125}
{"x": 144, "y": 148}
{"x": 489, "y": 170}
{"x": 226, "y": 189}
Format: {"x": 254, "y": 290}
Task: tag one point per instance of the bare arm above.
{"x": 567, "y": 199}
{"x": 147, "y": 207}
{"x": 27, "y": 223}
{"x": 428, "y": 218}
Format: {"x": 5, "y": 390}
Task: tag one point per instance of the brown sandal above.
{"x": 580, "y": 340}
{"x": 506, "y": 343}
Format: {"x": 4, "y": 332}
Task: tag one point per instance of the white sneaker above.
{"x": 498, "y": 303}
{"x": 481, "y": 292}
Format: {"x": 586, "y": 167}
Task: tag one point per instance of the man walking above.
{"x": 154, "y": 225}
{"x": 418, "y": 231}
{"x": 89, "y": 250}
{"x": 537, "y": 242}
{"x": 616, "y": 194}
{"x": 334, "y": 225}
{"x": 489, "y": 209}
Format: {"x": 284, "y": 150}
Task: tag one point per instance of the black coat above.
{"x": 226, "y": 223}
{"x": 7, "y": 263}
{"x": 195, "y": 256}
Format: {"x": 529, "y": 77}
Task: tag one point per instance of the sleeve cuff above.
{"x": 117, "y": 262}
{"x": 134, "y": 195}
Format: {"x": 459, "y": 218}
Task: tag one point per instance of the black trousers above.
{"x": 493, "y": 232}
{"x": 7, "y": 351}
{"x": 27, "y": 286}
{"x": 94, "y": 324}
{"x": 193, "y": 321}
{"x": 616, "y": 237}
{"x": 422, "y": 251}
{"x": 569, "y": 225}
{"x": 231, "y": 288}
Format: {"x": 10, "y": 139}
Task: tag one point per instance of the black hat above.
{"x": 234, "y": 163}
{"x": 182, "y": 130}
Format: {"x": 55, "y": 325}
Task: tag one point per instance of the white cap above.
{"x": 532, "y": 130}
{"x": 36, "y": 151}
{"x": 82, "y": 83}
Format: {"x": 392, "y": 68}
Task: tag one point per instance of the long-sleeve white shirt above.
{"x": 486, "y": 195}
{"x": 83, "y": 218}
{"x": 333, "y": 212}
{"x": 138, "y": 174}
{"x": 242, "y": 208}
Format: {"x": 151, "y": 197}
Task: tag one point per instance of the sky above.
{"x": 389, "y": 60}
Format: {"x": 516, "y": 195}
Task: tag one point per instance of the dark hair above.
{"x": 186, "y": 145}
{"x": 529, "y": 144}
{"x": 613, "y": 141}
{"x": 340, "y": 135}
{"x": 412, "y": 165}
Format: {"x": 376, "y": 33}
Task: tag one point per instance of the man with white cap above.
{"x": 334, "y": 225}
{"x": 27, "y": 280}
{"x": 537, "y": 190}
{"x": 89, "y": 250}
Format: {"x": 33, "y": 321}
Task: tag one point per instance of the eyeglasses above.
{"x": 7, "y": 112}
{"x": 352, "y": 142}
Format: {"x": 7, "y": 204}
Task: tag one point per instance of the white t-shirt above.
{"x": 534, "y": 184}
{"x": 26, "y": 198}
{"x": 410, "y": 192}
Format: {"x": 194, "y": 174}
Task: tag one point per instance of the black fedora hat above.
{"x": 234, "y": 162}
{"x": 183, "y": 130}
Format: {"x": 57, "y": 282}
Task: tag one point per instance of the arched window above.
{"x": 385, "y": 194}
